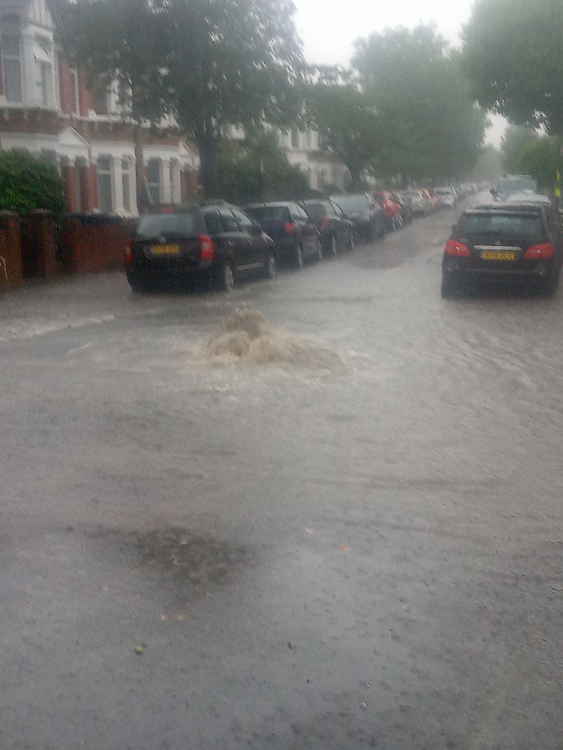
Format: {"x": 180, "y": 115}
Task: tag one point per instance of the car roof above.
{"x": 272, "y": 204}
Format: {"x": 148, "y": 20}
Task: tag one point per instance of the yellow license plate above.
{"x": 498, "y": 255}
{"x": 165, "y": 249}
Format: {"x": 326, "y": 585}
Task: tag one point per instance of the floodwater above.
{"x": 322, "y": 512}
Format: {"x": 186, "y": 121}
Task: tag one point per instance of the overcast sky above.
{"x": 329, "y": 29}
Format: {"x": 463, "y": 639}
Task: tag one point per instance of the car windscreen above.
{"x": 352, "y": 202}
{"x": 524, "y": 225}
{"x": 169, "y": 226}
{"x": 268, "y": 213}
{"x": 317, "y": 211}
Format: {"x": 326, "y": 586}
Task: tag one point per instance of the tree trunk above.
{"x": 208, "y": 148}
{"x": 143, "y": 201}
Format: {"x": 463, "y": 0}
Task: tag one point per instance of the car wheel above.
{"x": 299, "y": 262}
{"x": 450, "y": 286}
{"x": 270, "y": 267}
{"x": 225, "y": 277}
{"x": 550, "y": 285}
{"x": 333, "y": 247}
{"x": 139, "y": 286}
{"x": 351, "y": 241}
{"x": 320, "y": 254}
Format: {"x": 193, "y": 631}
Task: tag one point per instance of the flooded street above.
{"x": 341, "y": 530}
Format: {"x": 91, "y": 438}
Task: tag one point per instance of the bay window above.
{"x": 10, "y": 48}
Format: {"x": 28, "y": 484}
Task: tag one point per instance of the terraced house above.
{"x": 46, "y": 107}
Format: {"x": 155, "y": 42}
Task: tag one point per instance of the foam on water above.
{"x": 247, "y": 337}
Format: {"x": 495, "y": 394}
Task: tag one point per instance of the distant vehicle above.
{"x": 404, "y": 199}
{"x": 216, "y": 240}
{"x": 336, "y": 231}
{"x": 391, "y": 208}
{"x": 366, "y": 214}
{"x": 296, "y": 238}
{"x": 511, "y": 184}
{"x": 447, "y": 196}
{"x": 503, "y": 242}
{"x": 528, "y": 196}
{"x": 421, "y": 202}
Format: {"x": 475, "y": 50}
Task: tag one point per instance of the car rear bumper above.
{"x": 523, "y": 269}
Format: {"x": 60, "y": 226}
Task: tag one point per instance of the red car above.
{"x": 392, "y": 209}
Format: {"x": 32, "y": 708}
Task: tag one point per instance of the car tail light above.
{"x": 544, "y": 251}
{"x": 207, "y": 247}
{"x": 460, "y": 249}
{"x": 128, "y": 254}
{"x": 290, "y": 227}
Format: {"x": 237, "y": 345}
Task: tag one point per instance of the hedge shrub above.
{"x": 28, "y": 182}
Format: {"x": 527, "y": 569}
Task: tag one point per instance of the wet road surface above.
{"x": 352, "y": 540}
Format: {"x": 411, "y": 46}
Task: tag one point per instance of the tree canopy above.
{"x": 231, "y": 63}
{"x": 418, "y": 88}
{"x": 512, "y": 53}
{"x": 525, "y": 151}
{"x": 346, "y": 123}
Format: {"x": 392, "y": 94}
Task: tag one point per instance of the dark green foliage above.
{"x": 257, "y": 169}
{"x": 512, "y": 53}
{"x": 29, "y": 182}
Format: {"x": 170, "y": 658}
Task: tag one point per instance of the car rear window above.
{"x": 352, "y": 202}
{"x": 265, "y": 213}
{"x": 318, "y": 210}
{"x": 153, "y": 226}
{"x": 529, "y": 226}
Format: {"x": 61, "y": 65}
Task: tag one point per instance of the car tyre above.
{"x": 225, "y": 277}
{"x": 270, "y": 267}
{"x": 299, "y": 261}
{"x": 351, "y": 241}
{"x": 333, "y": 246}
{"x": 450, "y": 287}
{"x": 138, "y": 285}
{"x": 550, "y": 285}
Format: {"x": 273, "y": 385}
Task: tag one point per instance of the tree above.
{"x": 231, "y": 63}
{"x": 526, "y": 152}
{"x": 120, "y": 42}
{"x": 416, "y": 85}
{"x": 28, "y": 182}
{"x": 514, "y": 142}
{"x": 257, "y": 169}
{"x": 347, "y": 123}
{"x": 512, "y": 53}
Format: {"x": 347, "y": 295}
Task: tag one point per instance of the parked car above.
{"x": 296, "y": 237}
{"x": 503, "y": 242}
{"x": 364, "y": 212}
{"x": 336, "y": 231}
{"x": 447, "y": 196}
{"x": 510, "y": 184}
{"x": 215, "y": 239}
{"x": 404, "y": 199}
{"x": 391, "y": 209}
{"x": 421, "y": 202}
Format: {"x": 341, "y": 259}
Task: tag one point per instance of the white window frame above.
{"x": 8, "y": 58}
{"x": 126, "y": 182}
{"x": 76, "y": 89}
{"x": 103, "y": 172}
{"x": 154, "y": 188}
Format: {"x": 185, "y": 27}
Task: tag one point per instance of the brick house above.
{"x": 46, "y": 107}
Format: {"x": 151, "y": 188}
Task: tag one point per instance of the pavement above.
{"x": 350, "y": 539}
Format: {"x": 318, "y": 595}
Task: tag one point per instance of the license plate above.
{"x": 498, "y": 255}
{"x": 165, "y": 249}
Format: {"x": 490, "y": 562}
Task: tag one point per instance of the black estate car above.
{"x": 503, "y": 242}
{"x": 215, "y": 239}
{"x": 295, "y": 236}
{"x": 336, "y": 231}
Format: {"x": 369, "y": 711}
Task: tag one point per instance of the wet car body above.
{"x": 216, "y": 240}
{"x": 503, "y": 242}
{"x": 364, "y": 212}
{"x": 295, "y": 236}
{"x": 335, "y": 230}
